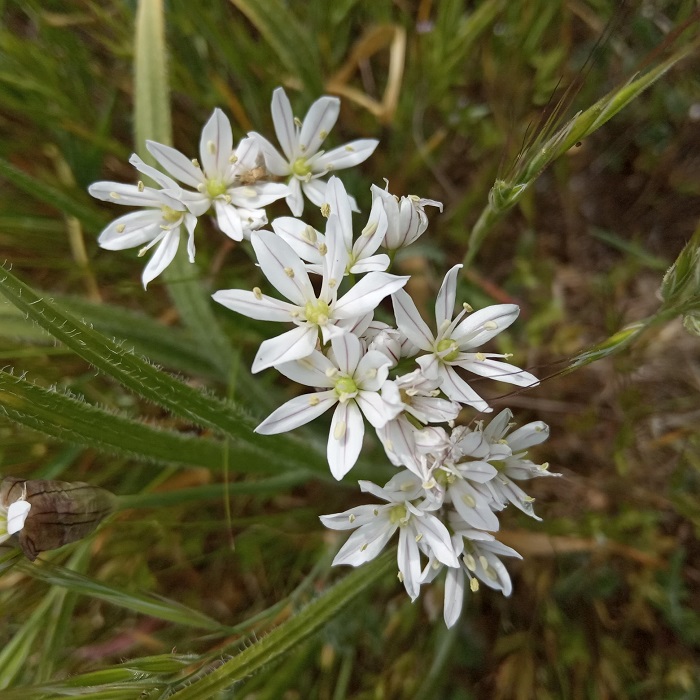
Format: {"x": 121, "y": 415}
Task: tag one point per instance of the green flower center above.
{"x": 345, "y": 386}
{"x": 170, "y": 215}
{"x": 301, "y": 168}
{"x": 443, "y": 477}
{"x": 317, "y": 312}
{"x": 216, "y": 188}
{"x": 451, "y": 345}
{"x": 398, "y": 515}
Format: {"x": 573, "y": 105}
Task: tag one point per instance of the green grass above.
{"x": 217, "y": 540}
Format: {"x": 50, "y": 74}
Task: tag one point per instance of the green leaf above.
{"x": 291, "y": 633}
{"x": 141, "y": 377}
{"x": 287, "y": 38}
{"x": 69, "y": 418}
{"x": 160, "y": 608}
{"x": 51, "y": 195}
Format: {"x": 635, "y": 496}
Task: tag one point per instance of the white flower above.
{"x": 158, "y": 224}
{"x": 226, "y": 179}
{"x": 308, "y": 311}
{"x": 406, "y": 219}
{"x": 13, "y": 517}
{"x": 303, "y": 163}
{"x": 448, "y": 349}
{"x": 418, "y": 397}
{"x": 352, "y": 382}
{"x": 419, "y": 530}
{"x": 360, "y": 253}
{"x": 508, "y": 453}
{"x": 478, "y": 554}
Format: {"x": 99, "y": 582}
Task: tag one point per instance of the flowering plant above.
{"x": 404, "y": 379}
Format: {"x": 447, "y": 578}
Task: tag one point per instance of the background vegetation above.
{"x": 218, "y": 541}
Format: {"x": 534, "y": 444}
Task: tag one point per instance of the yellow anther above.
{"x": 140, "y": 186}
{"x": 120, "y": 228}
{"x": 211, "y": 147}
{"x": 339, "y": 431}
{"x": 258, "y": 293}
{"x": 325, "y": 210}
{"x": 289, "y": 272}
{"x": 314, "y": 400}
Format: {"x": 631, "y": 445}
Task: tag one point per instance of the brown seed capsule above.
{"x": 61, "y": 511}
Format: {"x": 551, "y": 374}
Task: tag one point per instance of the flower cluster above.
{"x": 406, "y": 381}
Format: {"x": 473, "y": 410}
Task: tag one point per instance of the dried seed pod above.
{"x": 61, "y": 511}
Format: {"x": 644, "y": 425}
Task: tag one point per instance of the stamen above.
{"x": 114, "y": 195}
{"x": 140, "y": 186}
{"x": 233, "y": 158}
{"x": 289, "y": 272}
{"x": 474, "y": 585}
{"x": 211, "y": 147}
{"x": 258, "y": 293}
{"x": 322, "y": 248}
{"x": 490, "y": 325}
{"x": 352, "y": 517}
{"x": 325, "y": 210}
{"x": 467, "y": 307}
{"x": 120, "y": 228}
{"x": 314, "y": 400}
{"x": 196, "y": 164}
{"x": 340, "y": 429}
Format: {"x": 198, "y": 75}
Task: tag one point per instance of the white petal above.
{"x": 373, "y": 233}
{"x": 283, "y": 267}
{"x": 228, "y": 220}
{"x": 303, "y": 239}
{"x": 190, "y": 224}
{"x": 348, "y": 351}
{"x": 365, "y": 543}
{"x": 399, "y": 443}
{"x": 292, "y": 345}
{"x": 139, "y": 228}
{"x": 167, "y": 183}
{"x": 346, "y": 156}
{"x": 257, "y": 196}
{"x": 367, "y": 294}
{"x": 484, "y": 324}
{"x": 216, "y": 145}
{"x": 315, "y": 191}
{"x": 457, "y": 389}
{"x": 478, "y": 515}
{"x": 311, "y": 371}
{"x": 283, "y": 120}
{"x": 374, "y": 409}
{"x": 335, "y": 260}
{"x": 454, "y": 595}
{"x": 501, "y": 371}
{"x": 437, "y": 537}
{"x": 408, "y": 559}
{"x": 131, "y": 195}
{"x": 445, "y": 303}
{"x": 176, "y": 163}
{"x": 374, "y": 263}
{"x": 527, "y": 436}
{"x": 345, "y": 438}
{"x": 197, "y": 202}
{"x": 17, "y": 513}
{"x": 298, "y": 411}
{"x": 295, "y": 199}
{"x": 274, "y": 162}
{"x": 350, "y": 519}
{"x": 409, "y": 321}
{"x": 163, "y": 256}
{"x": 262, "y": 308}
{"x": 319, "y": 120}
{"x": 337, "y": 198}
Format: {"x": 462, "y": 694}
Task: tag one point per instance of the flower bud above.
{"x": 59, "y": 512}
